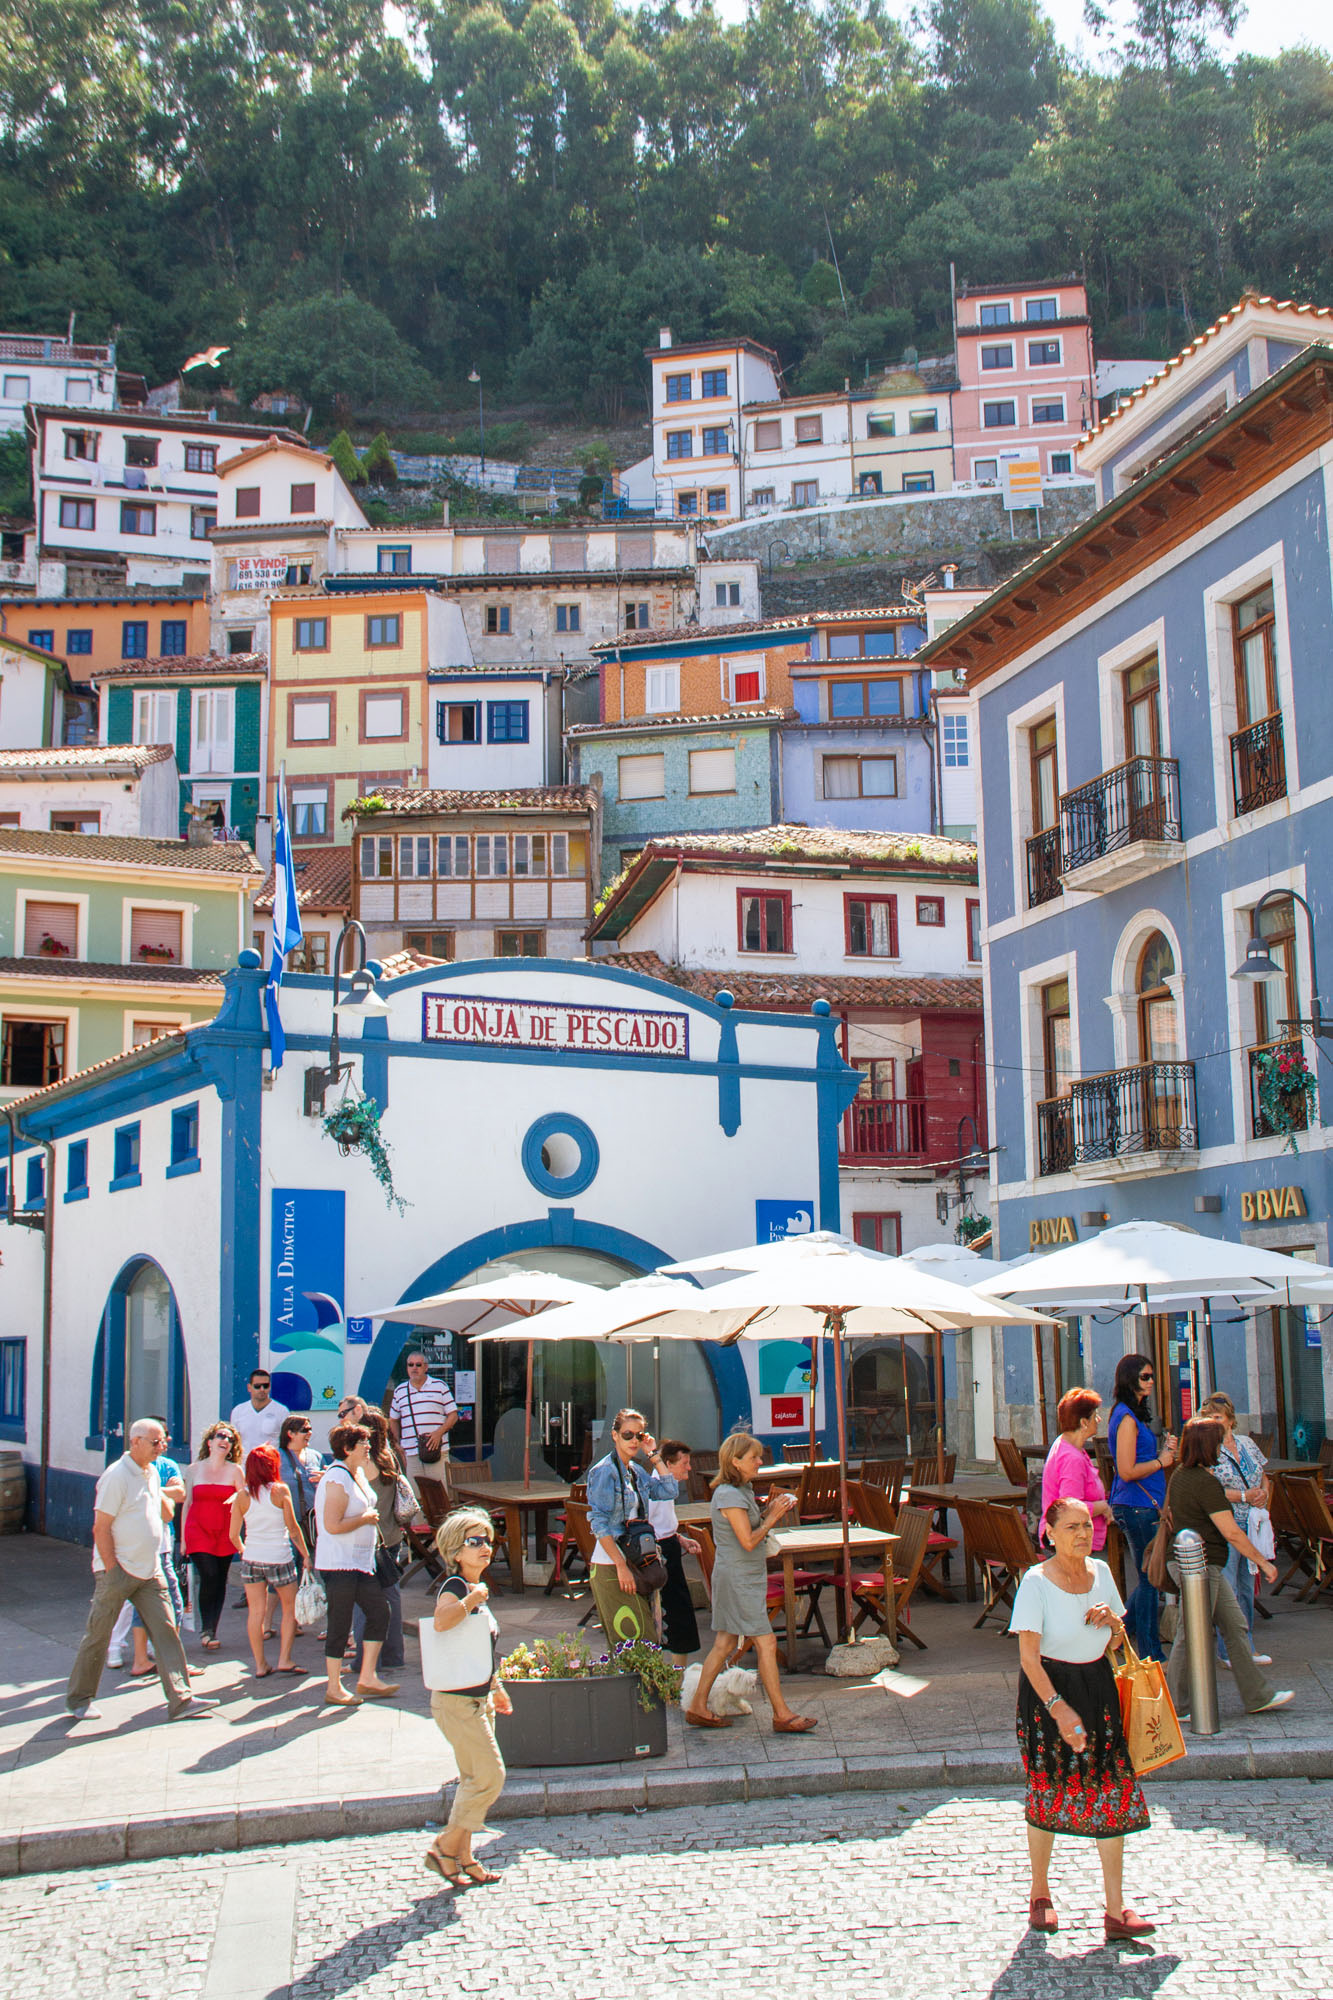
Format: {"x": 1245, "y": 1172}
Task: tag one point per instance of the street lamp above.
{"x": 481, "y": 420}
{"x": 1258, "y": 965}
{"x": 362, "y": 1003}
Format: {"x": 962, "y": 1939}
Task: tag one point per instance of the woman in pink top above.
{"x": 1069, "y": 1474}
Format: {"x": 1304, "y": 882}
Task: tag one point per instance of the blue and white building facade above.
{"x": 562, "y": 1115}
{"x": 1155, "y": 731}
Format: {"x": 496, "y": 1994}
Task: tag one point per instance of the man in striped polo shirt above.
{"x": 422, "y": 1412}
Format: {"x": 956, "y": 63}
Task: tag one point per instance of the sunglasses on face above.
{"x": 477, "y": 1542}
{"x": 632, "y": 1437}
{"x": 299, "y": 1430}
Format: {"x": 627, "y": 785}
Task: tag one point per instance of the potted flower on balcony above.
{"x": 162, "y": 953}
{"x": 1286, "y": 1089}
{"x": 52, "y": 947}
{"x": 574, "y": 1706}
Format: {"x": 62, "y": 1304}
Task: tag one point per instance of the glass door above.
{"x": 1298, "y": 1373}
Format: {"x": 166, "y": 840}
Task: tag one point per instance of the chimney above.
{"x": 664, "y": 336}
{"x": 949, "y": 572}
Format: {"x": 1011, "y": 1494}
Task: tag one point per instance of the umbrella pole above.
{"x": 1208, "y": 1345}
{"x": 834, "y": 1325}
{"x": 527, "y": 1423}
{"x": 1041, "y": 1384}
{"x": 814, "y": 1385}
{"x": 939, "y": 1407}
{"x": 907, "y": 1391}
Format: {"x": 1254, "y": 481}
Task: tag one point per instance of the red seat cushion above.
{"x": 934, "y": 1541}
{"x": 803, "y": 1579}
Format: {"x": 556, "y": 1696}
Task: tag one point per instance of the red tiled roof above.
{"x": 242, "y": 665}
{"x": 323, "y": 880}
{"x": 638, "y": 723}
{"x": 401, "y": 802}
{"x": 792, "y": 992}
{"x": 155, "y": 974}
{"x": 399, "y": 963}
{"x": 91, "y": 757}
{"x": 221, "y": 857}
{"x": 128, "y": 1059}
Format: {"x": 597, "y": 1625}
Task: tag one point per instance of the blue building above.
{"x": 1155, "y": 732}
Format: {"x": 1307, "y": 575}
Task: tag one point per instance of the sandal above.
{"x": 1041, "y": 1915}
{"x": 707, "y": 1720}
{"x": 435, "y": 1861}
{"x": 262, "y": 1673}
{"x": 302, "y": 1671}
{"x": 211, "y": 1645}
{"x": 342, "y": 1701}
{"x": 476, "y": 1873}
{"x": 794, "y": 1725}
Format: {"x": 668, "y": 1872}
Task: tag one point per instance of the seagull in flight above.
{"x": 210, "y": 358}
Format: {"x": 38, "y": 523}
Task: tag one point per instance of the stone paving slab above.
{"x": 272, "y": 1763}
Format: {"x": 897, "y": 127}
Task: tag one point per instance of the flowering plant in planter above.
{"x": 160, "y": 951}
{"x": 569, "y": 1657}
{"x": 53, "y": 947}
{"x": 355, "y": 1125}
{"x": 1287, "y": 1090}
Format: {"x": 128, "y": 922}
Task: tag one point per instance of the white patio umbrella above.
{"x": 511, "y": 1294}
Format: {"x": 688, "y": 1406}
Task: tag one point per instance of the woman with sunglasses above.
{"x": 211, "y": 1484}
{"x": 1138, "y": 1491}
{"x": 465, "y": 1716}
{"x": 619, "y": 1491}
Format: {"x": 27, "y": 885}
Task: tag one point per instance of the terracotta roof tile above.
{"x": 191, "y": 664}
{"x": 92, "y": 757}
{"x": 128, "y": 1059}
{"x": 399, "y": 963}
{"x": 224, "y": 857}
{"x": 793, "y": 992}
{"x": 323, "y": 880}
{"x": 638, "y": 723}
{"x": 78, "y": 968}
{"x": 401, "y": 802}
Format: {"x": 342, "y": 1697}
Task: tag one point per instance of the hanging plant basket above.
{"x": 970, "y": 1227}
{"x": 1287, "y": 1090}
{"x": 354, "y": 1127}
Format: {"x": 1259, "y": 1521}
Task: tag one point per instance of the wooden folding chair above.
{"x": 912, "y": 1527}
{"x": 1101, "y": 1453}
{"x": 797, "y": 1454}
{"x": 1326, "y": 1454}
{"x": 1263, "y": 1440}
{"x": 435, "y": 1502}
{"x": 1288, "y": 1535}
{"x": 1001, "y": 1548}
{"x": 1011, "y": 1462}
{"x": 818, "y": 1497}
{"x": 888, "y": 1474}
{"x": 926, "y": 1469}
{"x": 1310, "y": 1511}
{"x": 578, "y": 1532}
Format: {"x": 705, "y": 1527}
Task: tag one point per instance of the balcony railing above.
{"x": 1138, "y": 800}
{"x": 1290, "y": 1112}
{"x": 885, "y": 1128}
{"x": 1147, "y": 1109}
{"x": 1258, "y": 765}
{"x": 1043, "y": 867}
{"x": 1055, "y": 1136}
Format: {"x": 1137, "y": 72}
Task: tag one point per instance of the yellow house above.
{"x": 348, "y": 707}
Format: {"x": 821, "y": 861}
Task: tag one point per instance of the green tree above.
{"x": 344, "y": 455}
{"x": 335, "y": 350}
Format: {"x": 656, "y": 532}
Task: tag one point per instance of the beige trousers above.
{"x": 111, "y": 1589}
{"x": 467, "y": 1722}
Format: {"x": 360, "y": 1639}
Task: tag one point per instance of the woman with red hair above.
{"x": 1069, "y": 1474}
{"x": 266, "y": 1533}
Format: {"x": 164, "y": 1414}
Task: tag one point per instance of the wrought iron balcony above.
{"x": 885, "y": 1128}
{"x": 1129, "y": 1118}
{"x": 1122, "y": 824}
{"x": 1258, "y": 765}
{"x": 1288, "y": 1109}
{"x": 1044, "y": 867}
{"x": 1055, "y": 1136}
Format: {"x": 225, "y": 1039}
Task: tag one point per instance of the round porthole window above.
{"x": 560, "y": 1154}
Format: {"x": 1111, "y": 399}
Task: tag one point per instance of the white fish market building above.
{"x": 190, "y": 1219}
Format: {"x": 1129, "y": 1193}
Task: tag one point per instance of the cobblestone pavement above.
{"x": 888, "y": 1893}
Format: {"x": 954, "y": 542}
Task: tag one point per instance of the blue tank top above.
{"x": 1149, "y": 1492}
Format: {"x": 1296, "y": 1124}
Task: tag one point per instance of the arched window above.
{"x": 1159, "y": 1022}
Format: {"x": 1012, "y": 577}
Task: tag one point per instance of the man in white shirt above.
{"x": 258, "y": 1420}
{"x": 127, "y": 1543}
{"x": 422, "y": 1412}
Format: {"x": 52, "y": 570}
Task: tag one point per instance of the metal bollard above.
{"x": 1196, "y": 1612}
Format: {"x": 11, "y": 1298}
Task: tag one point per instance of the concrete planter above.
{"x": 579, "y": 1722}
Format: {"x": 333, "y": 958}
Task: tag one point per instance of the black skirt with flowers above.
{"x": 1093, "y": 1792}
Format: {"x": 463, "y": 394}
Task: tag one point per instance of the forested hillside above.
{"x": 529, "y": 186}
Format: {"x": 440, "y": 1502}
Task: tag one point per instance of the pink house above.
{"x": 1025, "y": 378}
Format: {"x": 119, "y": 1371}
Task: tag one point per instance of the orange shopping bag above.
{"x": 1152, "y": 1729}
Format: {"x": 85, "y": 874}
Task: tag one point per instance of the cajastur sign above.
{"x": 556, "y": 1026}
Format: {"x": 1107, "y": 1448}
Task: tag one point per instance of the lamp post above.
{"x": 362, "y": 1003}
{"x": 1258, "y": 965}
{"x": 481, "y": 421}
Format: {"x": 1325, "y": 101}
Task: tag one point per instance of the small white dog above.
{"x": 729, "y": 1694}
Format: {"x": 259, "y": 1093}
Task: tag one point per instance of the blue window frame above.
{"x": 568, "y": 618}
{"x": 713, "y": 382}
{"x": 45, "y": 639}
{"x": 36, "y": 1189}
{"x": 76, "y": 1171}
{"x": 125, "y": 1158}
{"x": 134, "y": 639}
{"x": 13, "y": 1386}
{"x": 184, "y": 1141}
{"x": 506, "y": 722}
{"x": 394, "y": 560}
{"x": 79, "y": 641}
{"x": 173, "y": 638}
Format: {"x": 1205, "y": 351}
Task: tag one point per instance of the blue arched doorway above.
{"x": 139, "y": 1363}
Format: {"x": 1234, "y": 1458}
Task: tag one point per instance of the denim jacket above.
{"x": 608, "y": 1492}
{"x": 298, "y": 1482}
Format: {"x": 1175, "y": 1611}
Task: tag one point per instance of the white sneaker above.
{"x": 116, "y": 1659}
{"x": 1282, "y": 1699}
{"x": 1263, "y": 1659}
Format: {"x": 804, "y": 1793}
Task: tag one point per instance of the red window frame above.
{"x": 780, "y": 896}
{"x": 857, "y": 897}
{"x": 931, "y": 902}
{"x": 868, "y": 1229}
{"x": 974, "y": 929}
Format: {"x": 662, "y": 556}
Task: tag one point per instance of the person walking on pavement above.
{"x": 1137, "y": 1491}
{"x": 465, "y": 1715}
{"x": 129, "y": 1622}
{"x": 421, "y": 1415}
{"x": 619, "y": 1490}
{"x": 258, "y": 1420}
{"x": 1240, "y": 1468}
{"x": 210, "y": 1484}
{"x": 127, "y": 1549}
{"x": 680, "y": 1627}
{"x": 1198, "y": 1500}
{"x": 267, "y": 1536}
{"x": 347, "y": 1524}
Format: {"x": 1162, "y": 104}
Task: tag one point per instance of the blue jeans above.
{"x": 169, "y": 1577}
{"x": 1138, "y": 1525}
{"x": 1241, "y": 1578}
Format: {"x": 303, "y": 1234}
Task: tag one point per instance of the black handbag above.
{"x": 638, "y": 1544}
{"x": 427, "y": 1454}
{"x": 386, "y": 1566}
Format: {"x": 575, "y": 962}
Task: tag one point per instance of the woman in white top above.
{"x": 266, "y": 1533}
{"x": 346, "y": 1529}
{"x": 1080, "y": 1778}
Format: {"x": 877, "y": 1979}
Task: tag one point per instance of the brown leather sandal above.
{"x": 707, "y": 1720}
{"x": 795, "y": 1725}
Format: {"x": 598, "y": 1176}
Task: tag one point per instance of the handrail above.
{"x": 1136, "y": 800}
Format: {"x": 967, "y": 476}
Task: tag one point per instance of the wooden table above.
{"x": 513, "y": 1499}
{"x": 783, "y": 1475}
{"x": 806, "y": 1545}
{"x": 693, "y": 1513}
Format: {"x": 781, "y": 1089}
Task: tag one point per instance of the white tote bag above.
{"x": 460, "y": 1658}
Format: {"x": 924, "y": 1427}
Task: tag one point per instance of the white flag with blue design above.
{"x": 287, "y": 932}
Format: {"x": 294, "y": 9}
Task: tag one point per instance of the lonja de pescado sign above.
{"x": 555, "y": 1025}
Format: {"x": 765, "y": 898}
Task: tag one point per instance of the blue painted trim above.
{"x": 375, "y": 1050}
{"x": 233, "y": 1063}
{"x": 14, "y": 1433}
{"x": 728, "y": 1070}
{"x": 565, "y": 1186}
{"x": 126, "y": 1181}
{"x": 178, "y": 1167}
{"x": 543, "y": 1058}
{"x": 711, "y": 642}
{"x": 77, "y": 1194}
